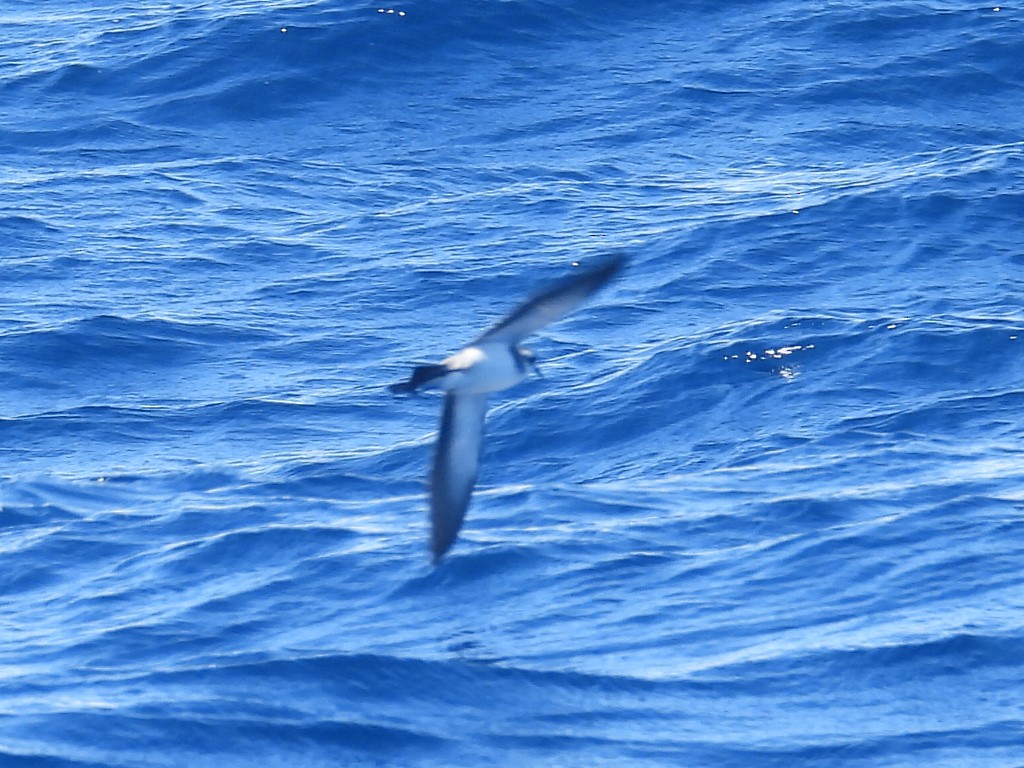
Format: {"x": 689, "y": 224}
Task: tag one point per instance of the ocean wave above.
{"x": 763, "y": 508}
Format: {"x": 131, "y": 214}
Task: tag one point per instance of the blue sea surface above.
{"x": 765, "y": 507}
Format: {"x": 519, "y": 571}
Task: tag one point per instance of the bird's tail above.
{"x": 421, "y": 374}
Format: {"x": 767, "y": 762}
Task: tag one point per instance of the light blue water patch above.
{"x": 764, "y": 508}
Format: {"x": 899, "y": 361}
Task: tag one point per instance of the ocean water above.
{"x": 765, "y": 507}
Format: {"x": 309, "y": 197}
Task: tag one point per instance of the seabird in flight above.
{"x": 492, "y": 362}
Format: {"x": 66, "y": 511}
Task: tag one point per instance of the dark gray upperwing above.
{"x": 553, "y": 304}
{"x": 454, "y": 472}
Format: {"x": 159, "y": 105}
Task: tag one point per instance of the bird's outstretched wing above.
{"x": 455, "y": 463}
{"x": 555, "y": 303}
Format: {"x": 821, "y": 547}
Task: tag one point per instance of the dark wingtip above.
{"x": 440, "y": 542}
{"x": 402, "y": 388}
{"x": 612, "y": 265}
{"x": 604, "y": 270}
{"x": 617, "y": 258}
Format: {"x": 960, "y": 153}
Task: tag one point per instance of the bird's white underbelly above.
{"x": 485, "y": 368}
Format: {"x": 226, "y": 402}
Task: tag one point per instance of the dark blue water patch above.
{"x": 373, "y": 690}
{"x": 352, "y": 477}
{"x": 280, "y": 61}
{"x": 198, "y": 477}
{"x": 933, "y": 745}
{"x": 80, "y": 79}
{"x": 49, "y": 433}
{"x": 52, "y": 556}
{"x": 555, "y": 711}
{"x": 83, "y": 144}
{"x": 482, "y": 566}
{"x": 943, "y": 418}
{"x": 167, "y": 636}
{"x": 41, "y": 266}
{"x": 31, "y": 759}
{"x": 856, "y": 669}
{"x": 668, "y": 388}
{"x": 274, "y": 547}
{"x": 27, "y": 580}
{"x": 887, "y": 25}
{"x": 57, "y": 500}
{"x": 106, "y": 342}
{"x": 958, "y": 356}
{"x": 194, "y": 736}
{"x": 770, "y": 475}
{"x": 390, "y": 680}
{"x": 14, "y": 515}
{"x": 23, "y": 231}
